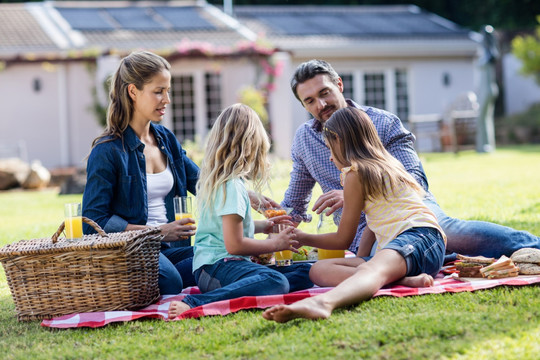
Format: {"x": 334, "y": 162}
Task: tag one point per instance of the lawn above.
{"x": 502, "y": 323}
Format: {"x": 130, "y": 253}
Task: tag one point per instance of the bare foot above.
{"x": 176, "y": 308}
{"x": 418, "y": 281}
{"x": 310, "y": 308}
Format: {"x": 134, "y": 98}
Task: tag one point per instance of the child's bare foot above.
{"x": 310, "y": 308}
{"x": 418, "y": 281}
{"x": 176, "y": 308}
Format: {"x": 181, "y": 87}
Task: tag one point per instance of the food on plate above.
{"x": 270, "y": 213}
{"x": 301, "y": 255}
{"x": 527, "y": 260}
{"x": 313, "y": 254}
{"x": 469, "y": 266}
{"x": 263, "y": 259}
{"x": 504, "y": 267}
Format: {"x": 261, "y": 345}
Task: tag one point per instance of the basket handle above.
{"x": 84, "y": 219}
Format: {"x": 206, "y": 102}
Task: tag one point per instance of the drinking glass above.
{"x": 182, "y": 208}
{"x": 326, "y": 225}
{"x": 283, "y": 257}
{"x": 73, "y": 221}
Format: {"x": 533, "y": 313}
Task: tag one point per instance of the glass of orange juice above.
{"x": 183, "y": 209}
{"x": 283, "y": 257}
{"x": 73, "y": 221}
{"x": 326, "y": 225}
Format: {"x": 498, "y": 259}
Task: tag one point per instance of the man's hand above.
{"x": 332, "y": 200}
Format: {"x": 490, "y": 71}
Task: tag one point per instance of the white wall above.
{"x": 428, "y": 94}
{"x": 520, "y": 92}
{"x": 54, "y": 123}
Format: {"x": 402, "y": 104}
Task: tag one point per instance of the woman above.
{"x": 136, "y": 167}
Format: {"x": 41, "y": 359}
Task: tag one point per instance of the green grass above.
{"x": 501, "y": 323}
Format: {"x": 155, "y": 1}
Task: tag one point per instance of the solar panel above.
{"x": 352, "y": 23}
{"x": 135, "y": 18}
{"x": 86, "y": 18}
{"x": 184, "y": 18}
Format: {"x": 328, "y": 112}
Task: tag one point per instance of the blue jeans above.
{"x": 236, "y": 278}
{"x": 421, "y": 247}
{"x": 468, "y": 237}
{"x": 175, "y": 269}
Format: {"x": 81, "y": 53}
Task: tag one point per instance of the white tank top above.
{"x": 157, "y": 187}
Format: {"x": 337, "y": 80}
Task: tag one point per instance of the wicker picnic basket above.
{"x": 51, "y": 277}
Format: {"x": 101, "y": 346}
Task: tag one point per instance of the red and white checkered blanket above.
{"x": 159, "y": 309}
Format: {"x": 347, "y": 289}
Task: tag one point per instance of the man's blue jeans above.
{"x": 229, "y": 279}
{"x": 469, "y": 237}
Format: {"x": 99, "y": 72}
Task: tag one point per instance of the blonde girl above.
{"x": 411, "y": 244}
{"x": 236, "y": 157}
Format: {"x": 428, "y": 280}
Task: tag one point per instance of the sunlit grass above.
{"x": 502, "y": 323}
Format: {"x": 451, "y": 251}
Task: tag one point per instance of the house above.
{"x": 55, "y": 55}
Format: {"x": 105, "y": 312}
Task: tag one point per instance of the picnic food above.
{"x": 263, "y": 259}
{"x": 270, "y": 213}
{"x": 504, "y": 267}
{"x": 301, "y": 255}
{"x": 527, "y": 260}
{"x": 469, "y": 266}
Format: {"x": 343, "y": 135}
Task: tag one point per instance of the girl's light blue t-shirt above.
{"x": 209, "y": 242}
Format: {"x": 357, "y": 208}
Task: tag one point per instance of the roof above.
{"x": 94, "y": 27}
{"x": 20, "y": 31}
{"x": 383, "y": 29}
{"x": 65, "y": 29}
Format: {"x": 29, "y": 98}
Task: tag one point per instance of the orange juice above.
{"x": 73, "y": 227}
{"x": 183, "y": 216}
{"x": 283, "y": 257}
{"x": 330, "y": 254}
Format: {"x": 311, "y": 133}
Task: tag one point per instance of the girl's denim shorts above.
{"x": 422, "y": 248}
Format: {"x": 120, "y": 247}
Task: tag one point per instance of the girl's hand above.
{"x": 178, "y": 230}
{"x": 299, "y": 236}
{"x": 266, "y": 226}
{"x": 259, "y": 201}
{"x": 285, "y": 240}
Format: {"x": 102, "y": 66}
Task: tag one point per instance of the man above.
{"x": 320, "y": 90}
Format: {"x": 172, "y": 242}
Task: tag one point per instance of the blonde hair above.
{"x": 362, "y": 148}
{"x": 138, "y": 68}
{"x": 237, "y": 147}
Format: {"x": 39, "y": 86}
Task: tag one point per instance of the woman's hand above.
{"x": 332, "y": 200}
{"x": 178, "y": 230}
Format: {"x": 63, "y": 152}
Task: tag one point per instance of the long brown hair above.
{"x": 362, "y": 148}
{"x": 138, "y": 68}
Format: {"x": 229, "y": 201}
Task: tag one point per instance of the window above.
{"x": 374, "y": 91}
{"x": 371, "y": 89}
{"x": 348, "y": 88}
{"x": 402, "y": 96}
{"x": 186, "y": 108}
{"x": 213, "y": 97}
{"x": 183, "y": 104}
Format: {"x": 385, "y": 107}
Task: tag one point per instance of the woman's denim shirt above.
{"x": 116, "y": 193}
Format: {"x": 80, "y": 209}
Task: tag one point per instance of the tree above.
{"x": 527, "y": 49}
